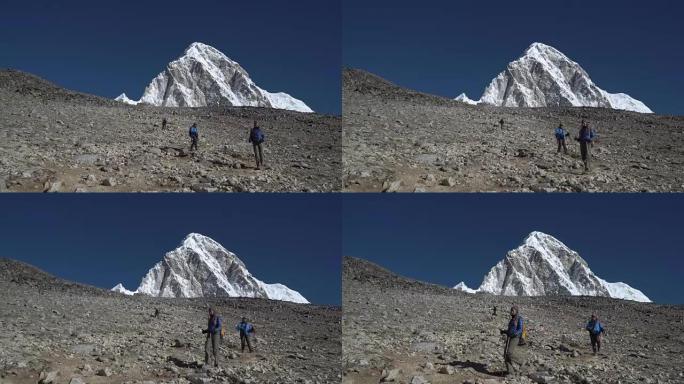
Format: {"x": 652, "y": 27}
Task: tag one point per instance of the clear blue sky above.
{"x": 109, "y": 47}
{"x": 104, "y": 239}
{"x": 449, "y": 47}
{"x": 448, "y": 238}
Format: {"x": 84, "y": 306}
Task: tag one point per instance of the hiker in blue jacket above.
{"x": 257, "y": 137}
{"x": 513, "y": 334}
{"x": 193, "y": 132}
{"x": 561, "y": 134}
{"x": 596, "y": 331}
{"x": 213, "y": 332}
{"x": 245, "y": 329}
{"x": 585, "y": 138}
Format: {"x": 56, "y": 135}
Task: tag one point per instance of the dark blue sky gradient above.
{"x": 448, "y": 238}
{"x": 104, "y": 239}
{"x": 449, "y": 47}
{"x": 109, "y": 47}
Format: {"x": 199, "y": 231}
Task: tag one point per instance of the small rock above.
{"x": 109, "y": 182}
{"x": 106, "y": 372}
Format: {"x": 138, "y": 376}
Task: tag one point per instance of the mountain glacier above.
{"x": 201, "y": 267}
{"x": 204, "y": 76}
{"x": 543, "y": 265}
{"x": 545, "y": 77}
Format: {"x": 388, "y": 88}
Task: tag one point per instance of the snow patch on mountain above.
{"x": 201, "y": 267}
{"x": 463, "y": 98}
{"x": 545, "y": 77}
{"x": 543, "y": 265}
{"x": 204, "y": 76}
{"x": 124, "y": 99}
{"x": 120, "y": 289}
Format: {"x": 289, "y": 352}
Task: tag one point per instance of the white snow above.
{"x": 465, "y": 99}
{"x": 543, "y": 265}
{"x": 201, "y": 267}
{"x": 124, "y": 99}
{"x": 204, "y": 76}
{"x": 120, "y": 288}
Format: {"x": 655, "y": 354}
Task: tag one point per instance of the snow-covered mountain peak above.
{"x": 543, "y": 265}
{"x": 545, "y": 77}
{"x": 201, "y": 267}
{"x": 204, "y": 76}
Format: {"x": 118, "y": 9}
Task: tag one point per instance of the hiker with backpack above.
{"x": 501, "y": 123}
{"x": 257, "y": 137}
{"x": 194, "y": 136}
{"x": 596, "y": 332}
{"x": 214, "y": 332}
{"x": 164, "y": 123}
{"x": 246, "y": 329}
{"x": 561, "y": 134}
{"x": 585, "y": 138}
{"x": 514, "y": 338}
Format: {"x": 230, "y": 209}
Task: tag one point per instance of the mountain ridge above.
{"x": 201, "y": 267}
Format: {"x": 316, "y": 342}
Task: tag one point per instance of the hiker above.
{"x": 561, "y": 134}
{"x": 156, "y": 312}
{"x": 257, "y": 137}
{"x": 194, "y": 136}
{"x": 213, "y": 332}
{"x": 596, "y": 331}
{"x": 245, "y": 329}
{"x": 585, "y": 137}
{"x": 513, "y": 336}
{"x": 163, "y": 123}
{"x": 501, "y": 122}
{"x": 494, "y": 311}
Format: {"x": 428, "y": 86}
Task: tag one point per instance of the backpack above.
{"x": 258, "y": 136}
{"x": 219, "y": 325}
{"x": 523, "y": 336}
{"x": 193, "y": 131}
{"x": 560, "y": 133}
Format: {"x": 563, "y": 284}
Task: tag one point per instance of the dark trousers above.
{"x": 212, "y": 346}
{"x": 586, "y": 154}
{"x": 258, "y": 154}
{"x": 561, "y": 143}
{"x": 595, "y": 342}
{"x": 193, "y": 145}
{"x": 244, "y": 339}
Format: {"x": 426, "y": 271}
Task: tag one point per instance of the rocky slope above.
{"x": 545, "y": 77}
{"x": 204, "y": 77}
{"x": 52, "y": 139}
{"x": 201, "y": 267}
{"x": 544, "y": 266}
{"x": 412, "y": 332}
{"x": 396, "y": 139}
{"x": 53, "y": 328}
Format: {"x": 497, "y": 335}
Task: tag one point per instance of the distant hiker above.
{"x": 257, "y": 137}
{"x": 163, "y": 123}
{"x": 501, "y": 122}
{"x": 194, "y": 136}
{"x": 213, "y": 332}
{"x": 156, "y": 312}
{"x": 494, "y": 311}
{"x": 561, "y": 134}
{"x": 245, "y": 329}
{"x": 513, "y": 336}
{"x": 596, "y": 331}
{"x": 585, "y": 138}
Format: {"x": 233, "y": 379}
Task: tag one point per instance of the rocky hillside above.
{"x": 69, "y": 333}
{"x": 435, "y": 335}
{"x": 396, "y": 139}
{"x": 52, "y": 139}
